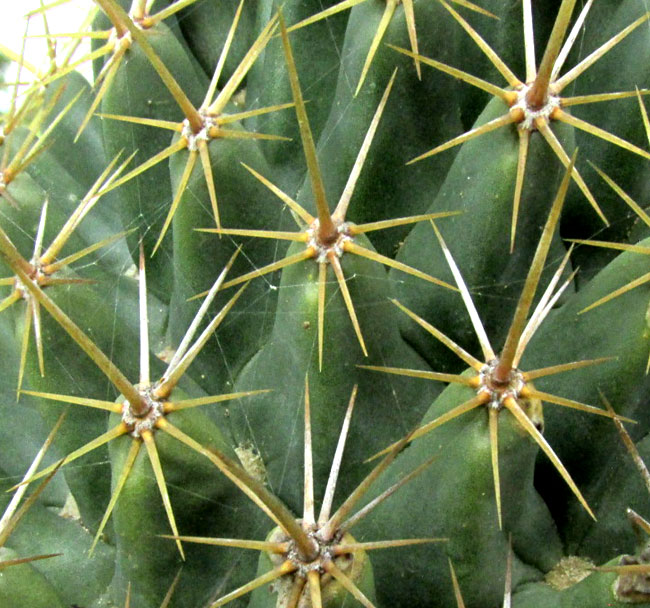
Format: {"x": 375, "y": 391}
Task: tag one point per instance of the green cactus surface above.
{"x": 322, "y": 304}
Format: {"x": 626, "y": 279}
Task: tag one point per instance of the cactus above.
{"x": 329, "y": 304}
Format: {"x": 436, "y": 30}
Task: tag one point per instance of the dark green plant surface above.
{"x": 316, "y": 304}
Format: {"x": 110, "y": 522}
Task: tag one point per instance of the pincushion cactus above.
{"x": 181, "y": 364}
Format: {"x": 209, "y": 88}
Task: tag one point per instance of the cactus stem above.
{"x": 326, "y": 242}
{"x": 196, "y": 135}
{"x": 13, "y": 258}
{"x": 499, "y": 384}
{"x": 534, "y": 105}
{"x": 40, "y": 268}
